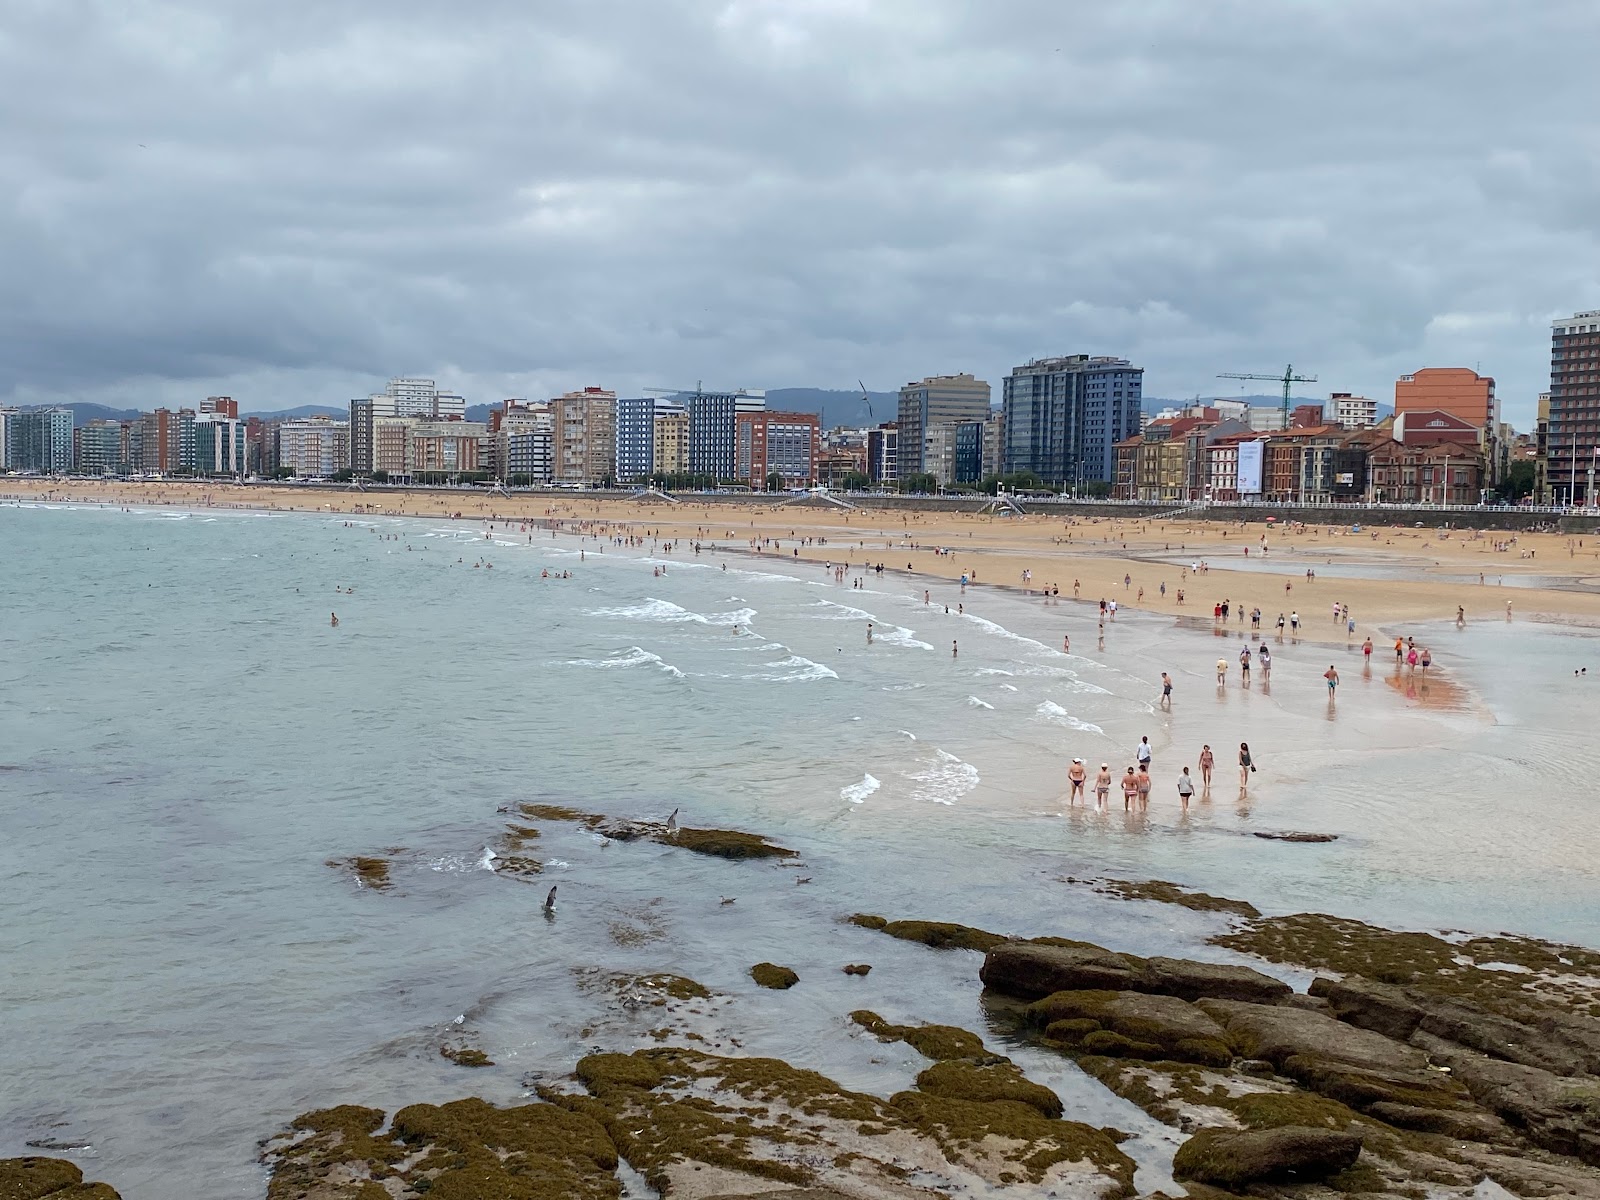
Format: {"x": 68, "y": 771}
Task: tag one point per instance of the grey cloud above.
{"x": 291, "y": 201}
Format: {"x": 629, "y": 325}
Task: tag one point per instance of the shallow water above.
{"x": 184, "y": 741}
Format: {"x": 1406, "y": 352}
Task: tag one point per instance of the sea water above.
{"x": 186, "y": 740}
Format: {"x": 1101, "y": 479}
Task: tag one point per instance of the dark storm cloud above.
{"x": 290, "y": 202}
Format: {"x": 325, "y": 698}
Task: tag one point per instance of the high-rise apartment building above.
{"x": 222, "y": 406}
{"x": 782, "y": 443}
{"x": 218, "y": 444}
{"x": 313, "y": 447}
{"x": 585, "y": 436}
{"x": 1063, "y": 416}
{"x": 1353, "y": 412}
{"x": 403, "y": 397}
{"x": 883, "y": 453}
{"x": 97, "y": 448}
{"x": 671, "y": 455}
{"x": 935, "y": 400}
{"x": 713, "y": 425}
{"x": 638, "y": 423}
{"x": 39, "y": 440}
{"x": 1572, "y": 438}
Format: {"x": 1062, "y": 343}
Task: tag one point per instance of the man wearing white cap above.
{"x": 1076, "y": 775}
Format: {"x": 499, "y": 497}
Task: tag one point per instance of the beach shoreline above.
{"x": 1389, "y": 578}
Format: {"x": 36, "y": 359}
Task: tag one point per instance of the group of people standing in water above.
{"x": 1136, "y": 782}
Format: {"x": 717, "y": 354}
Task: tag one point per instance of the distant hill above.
{"x": 83, "y": 413}
{"x": 305, "y": 410}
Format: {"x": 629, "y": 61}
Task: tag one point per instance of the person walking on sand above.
{"x": 1130, "y": 788}
{"x": 1247, "y": 764}
{"x": 1142, "y": 785}
{"x": 1075, "y": 776}
{"x": 1207, "y": 761}
{"x": 1166, "y": 691}
{"x": 1244, "y": 666}
{"x": 1143, "y": 754}
{"x": 1265, "y": 656}
{"x": 1294, "y": 621}
{"x": 1366, "y": 651}
{"x": 1427, "y": 658}
{"x": 1411, "y": 658}
{"x": 1332, "y": 676}
{"x": 1222, "y": 672}
{"x": 1185, "y": 789}
{"x": 1102, "y": 785}
{"x": 1399, "y": 652}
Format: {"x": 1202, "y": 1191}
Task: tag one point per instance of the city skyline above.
{"x": 1362, "y": 190}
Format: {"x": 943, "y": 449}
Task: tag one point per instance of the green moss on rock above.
{"x": 984, "y": 1082}
{"x": 465, "y": 1056}
{"x": 938, "y": 1042}
{"x": 770, "y": 975}
{"x": 725, "y": 843}
{"x": 1162, "y": 892}
{"x": 38, "y": 1178}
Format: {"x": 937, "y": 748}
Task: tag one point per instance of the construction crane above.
{"x": 1286, "y": 379}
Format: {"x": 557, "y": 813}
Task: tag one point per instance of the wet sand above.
{"x": 1388, "y": 576}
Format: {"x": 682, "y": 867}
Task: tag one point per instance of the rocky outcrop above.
{"x": 1132, "y": 1024}
{"x": 1235, "y": 1159}
{"x": 1035, "y": 969}
{"x": 1556, "y": 1112}
{"x": 35, "y": 1178}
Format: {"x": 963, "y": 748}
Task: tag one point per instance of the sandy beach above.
{"x": 1387, "y": 576}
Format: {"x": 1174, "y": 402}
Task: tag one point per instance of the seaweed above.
{"x": 938, "y": 1042}
{"x": 770, "y": 975}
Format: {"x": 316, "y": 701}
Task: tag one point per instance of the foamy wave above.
{"x": 666, "y": 611}
{"x": 1008, "y": 687}
{"x": 909, "y": 734}
{"x": 796, "y": 670}
{"x": 486, "y": 859}
{"x": 857, "y": 793}
{"x": 974, "y": 702}
{"x": 1001, "y": 631}
{"x": 635, "y": 656}
{"x": 1051, "y": 711}
{"x": 889, "y": 635}
{"x": 945, "y": 780}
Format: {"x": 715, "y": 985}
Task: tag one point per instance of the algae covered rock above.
{"x": 1132, "y": 1024}
{"x": 941, "y": 935}
{"x": 724, "y": 843}
{"x": 937, "y": 1042}
{"x": 1234, "y": 1159}
{"x": 686, "y": 1119}
{"x": 770, "y": 975}
{"x": 463, "y": 1150}
{"x": 961, "y": 1079}
{"x": 38, "y": 1178}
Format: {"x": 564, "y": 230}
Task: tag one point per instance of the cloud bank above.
{"x": 291, "y": 202}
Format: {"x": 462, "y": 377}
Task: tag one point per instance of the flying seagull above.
{"x": 672, "y": 822}
{"x": 550, "y": 901}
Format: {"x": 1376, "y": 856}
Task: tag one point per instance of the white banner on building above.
{"x": 1250, "y": 468}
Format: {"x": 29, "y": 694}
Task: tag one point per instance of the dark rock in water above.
{"x": 623, "y": 831}
{"x": 941, "y": 935}
{"x": 724, "y": 843}
{"x": 1163, "y": 892}
{"x": 466, "y": 1056}
{"x": 53, "y": 1144}
{"x": 35, "y": 1178}
{"x": 938, "y": 1042}
{"x": 857, "y": 968}
{"x": 770, "y": 975}
{"x": 1290, "y": 1154}
{"x": 1036, "y": 969}
{"x": 1033, "y": 971}
{"x": 1297, "y": 837}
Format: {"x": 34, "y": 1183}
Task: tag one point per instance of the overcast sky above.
{"x": 290, "y": 201}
